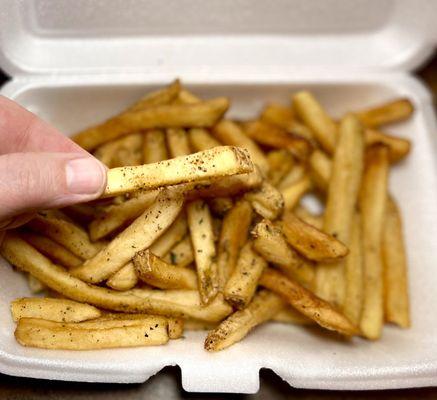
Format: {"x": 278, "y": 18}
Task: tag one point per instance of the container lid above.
{"x": 178, "y": 36}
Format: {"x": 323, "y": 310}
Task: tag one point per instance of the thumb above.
{"x": 31, "y": 181}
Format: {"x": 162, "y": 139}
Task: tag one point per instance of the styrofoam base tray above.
{"x": 304, "y": 357}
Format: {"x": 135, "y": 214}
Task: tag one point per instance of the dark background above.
{"x": 167, "y": 383}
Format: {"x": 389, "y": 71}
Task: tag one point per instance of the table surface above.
{"x": 167, "y": 383}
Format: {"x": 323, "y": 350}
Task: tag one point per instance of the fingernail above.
{"x": 85, "y": 176}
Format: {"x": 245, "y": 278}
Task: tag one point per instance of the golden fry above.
{"x": 398, "y": 148}
{"x": 320, "y": 169}
{"x": 124, "y": 279}
{"x": 181, "y": 254}
{"x": 281, "y": 162}
{"x": 177, "y": 142}
{"x": 201, "y": 139}
{"x": 154, "y": 147}
{"x": 293, "y": 193}
{"x": 267, "y": 201}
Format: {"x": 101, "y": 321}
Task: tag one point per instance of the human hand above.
{"x": 40, "y": 168}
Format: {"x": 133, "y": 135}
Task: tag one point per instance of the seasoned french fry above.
{"x": 230, "y": 133}
{"x": 220, "y": 205}
{"x": 124, "y": 279}
{"x": 35, "y": 285}
{"x": 154, "y": 147}
{"x": 307, "y": 303}
{"x": 156, "y": 272}
{"x": 177, "y": 142}
{"x": 280, "y": 162}
{"x": 171, "y": 303}
{"x": 320, "y": 169}
{"x": 60, "y": 310}
{"x": 293, "y": 193}
{"x": 275, "y": 137}
{"x": 387, "y": 113}
{"x": 181, "y": 254}
{"x": 173, "y": 235}
{"x": 65, "y": 233}
{"x": 296, "y": 173}
{"x": 279, "y": 115}
{"x": 398, "y": 148}
{"x": 270, "y": 243}
{"x": 44, "y": 334}
{"x": 353, "y": 299}
{"x": 309, "y": 241}
{"x": 315, "y": 117}
{"x": 213, "y": 163}
{"x": 175, "y": 328}
{"x": 267, "y": 201}
{"x": 52, "y": 250}
{"x": 118, "y": 216}
{"x": 233, "y": 235}
{"x": 396, "y": 303}
{"x": 344, "y": 185}
{"x": 129, "y": 151}
{"x": 264, "y": 306}
{"x": 201, "y": 139}
{"x": 203, "y": 114}
{"x": 372, "y": 202}
{"x": 202, "y": 238}
{"x": 241, "y": 286}
{"x": 137, "y": 236}
{"x": 289, "y": 315}
{"x": 159, "y": 97}
{"x": 309, "y": 218}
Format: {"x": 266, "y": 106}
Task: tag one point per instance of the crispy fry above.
{"x": 233, "y": 235}
{"x": 281, "y": 162}
{"x": 315, "y": 117}
{"x": 230, "y": 133}
{"x": 44, "y": 334}
{"x": 52, "y": 250}
{"x": 307, "y": 303}
{"x": 213, "y": 163}
{"x": 220, "y": 205}
{"x": 65, "y": 233}
{"x": 202, "y": 238}
{"x": 320, "y": 169}
{"x": 344, "y": 185}
{"x": 398, "y": 148}
{"x": 234, "y": 328}
{"x": 154, "y": 147}
{"x": 279, "y": 115}
{"x": 270, "y": 243}
{"x": 267, "y": 201}
{"x": 60, "y": 310}
{"x": 159, "y": 97}
{"x": 387, "y": 113}
{"x": 273, "y": 136}
{"x": 124, "y": 279}
{"x": 311, "y": 242}
{"x": 289, "y": 315}
{"x": 203, "y": 114}
{"x": 177, "y": 142}
{"x": 171, "y": 303}
{"x": 181, "y": 254}
{"x": 201, "y": 139}
{"x": 396, "y": 303}
{"x": 175, "y": 328}
{"x": 309, "y": 218}
{"x": 241, "y": 286}
{"x": 372, "y": 201}
{"x": 156, "y": 272}
{"x": 296, "y": 173}
{"x": 186, "y": 97}
{"x": 122, "y": 152}
{"x": 137, "y": 236}
{"x": 293, "y": 193}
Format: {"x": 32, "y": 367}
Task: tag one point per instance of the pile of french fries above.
{"x": 201, "y": 227}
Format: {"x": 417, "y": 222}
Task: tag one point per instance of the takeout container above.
{"x": 75, "y": 63}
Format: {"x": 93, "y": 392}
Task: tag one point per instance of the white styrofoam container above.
{"x": 75, "y": 63}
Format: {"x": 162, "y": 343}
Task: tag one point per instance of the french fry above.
{"x": 201, "y": 139}
{"x": 344, "y": 185}
{"x": 171, "y": 303}
{"x": 122, "y": 152}
{"x": 177, "y": 142}
{"x": 387, "y": 113}
{"x": 35, "y": 286}
{"x": 309, "y": 241}
{"x": 154, "y": 147}
{"x": 293, "y": 193}
{"x": 60, "y": 310}
{"x": 396, "y": 303}
{"x": 156, "y": 272}
{"x": 320, "y": 169}
{"x": 280, "y": 162}
{"x": 181, "y": 254}
{"x": 372, "y": 202}
{"x": 203, "y": 114}
{"x": 220, "y": 205}
{"x": 230, "y": 133}
{"x": 158, "y": 97}
{"x": 307, "y": 303}
{"x": 44, "y": 334}
{"x": 309, "y": 218}
{"x": 353, "y": 299}
{"x": 52, "y": 250}
{"x": 82, "y": 213}
{"x": 186, "y": 97}
{"x": 118, "y": 216}
{"x": 289, "y": 315}
{"x": 267, "y": 201}
{"x": 241, "y": 286}
{"x": 262, "y": 308}
{"x": 67, "y": 234}
{"x": 315, "y": 117}
{"x": 202, "y": 238}
{"x": 139, "y": 235}
{"x": 208, "y": 164}
{"x": 279, "y": 115}
{"x": 175, "y": 328}
{"x": 124, "y": 279}
{"x": 398, "y": 148}
{"x": 296, "y": 173}
{"x": 270, "y": 243}
{"x": 275, "y": 137}
{"x": 233, "y": 235}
